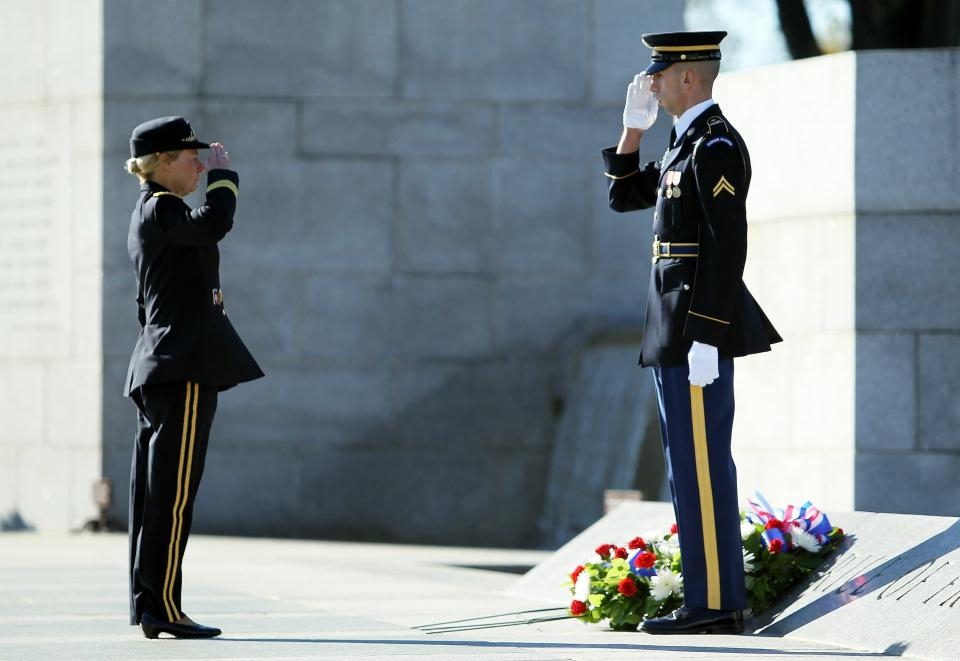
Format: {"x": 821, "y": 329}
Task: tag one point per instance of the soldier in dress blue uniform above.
{"x": 699, "y": 312}
{"x": 187, "y": 352}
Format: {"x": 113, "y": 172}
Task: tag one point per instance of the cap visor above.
{"x": 656, "y": 67}
{"x": 196, "y": 145}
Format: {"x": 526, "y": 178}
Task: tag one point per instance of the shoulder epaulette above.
{"x": 718, "y": 124}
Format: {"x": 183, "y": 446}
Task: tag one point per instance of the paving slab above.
{"x": 64, "y": 597}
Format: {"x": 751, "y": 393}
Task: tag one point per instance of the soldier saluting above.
{"x": 186, "y": 353}
{"x": 699, "y": 312}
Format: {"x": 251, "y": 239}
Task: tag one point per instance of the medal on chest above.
{"x": 672, "y": 179}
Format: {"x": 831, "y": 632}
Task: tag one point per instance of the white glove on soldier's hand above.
{"x": 640, "y": 108}
{"x": 703, "y": 362}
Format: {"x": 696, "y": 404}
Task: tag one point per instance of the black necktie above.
{"x": 673, "y": 137}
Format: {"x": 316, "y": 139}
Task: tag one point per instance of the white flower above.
{"x": 804, "y": 540}
{"x": 581, "y": 589}
{"x": 672, "y": 543}
{"x": 746, "y": 529}
{"x": 664, "y": 584}
{"x": 748, "y": 559}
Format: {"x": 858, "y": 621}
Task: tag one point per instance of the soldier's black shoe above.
{"x": 152, "y": 627}
{"x": 695, "y": 620}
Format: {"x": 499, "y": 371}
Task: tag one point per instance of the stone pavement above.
{"x": 64, "y": 597}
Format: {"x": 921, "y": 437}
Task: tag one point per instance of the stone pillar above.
{"x": 854, "y": 217}
{"x": 50, "y": 261}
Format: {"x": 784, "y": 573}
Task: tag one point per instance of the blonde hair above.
{"x": 145, "y": 166}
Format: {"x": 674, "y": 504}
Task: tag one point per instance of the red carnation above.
{"x": 604, "y": 551}
{"x": 840, "y": 532}
{"x": 636, "y": 543}
{"x": 773, "y": 523}
{"x": 627, "y": 587}
{"x": 674, "y": 529}
{"x": 576, "y": 573}
{"x": 776, "y": 545}
{"x": 646, "y": 560}
{"x": 578, "y": 608}
{"x": 620, "y": 553}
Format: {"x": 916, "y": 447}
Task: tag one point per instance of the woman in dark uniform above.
{"x": 186, "y": 353}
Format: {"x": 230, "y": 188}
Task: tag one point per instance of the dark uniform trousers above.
{"x": 696, "y": 426}
{"x": 173, "y": 427}
{"x": 696, "y": 293}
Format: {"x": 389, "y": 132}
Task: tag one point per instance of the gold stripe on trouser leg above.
{"x": 186, "y": 492}
{"x": 706, "y": 497}
{"x": 169, "y": 578}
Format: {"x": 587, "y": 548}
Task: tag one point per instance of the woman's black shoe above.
{"x": 152, "y": 627}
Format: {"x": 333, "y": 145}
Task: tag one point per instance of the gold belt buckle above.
{"x": 656, "y": 248}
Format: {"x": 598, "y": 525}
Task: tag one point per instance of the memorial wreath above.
{"x": 642, "y": 579}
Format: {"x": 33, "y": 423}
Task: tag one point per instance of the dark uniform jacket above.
{"x": 699, "y": 189}
{"x": 185, "y": 333}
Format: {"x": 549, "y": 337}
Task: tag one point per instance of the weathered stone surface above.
{"x": 264, "y": 308}
{"x": 74, "y": 48}
{"x": 327, "y": 216}
{"x": 894, "y": 293}
{"x": 445, "y": 210}
{"x": 436, "y": 405}
{"x": 770, "y": 131}
{"x": 886, "y": 416}
{"x": 449, "y": 318}
{"x": 22, "y": 41}
{"x": 458, "y": 48}
{"x": 541, "y": 215}
{"x": 336, "y": 48}
{"x": 938, "y": 371}
{"x": 348, "y": 319}
{"x": 72, "y": 393}
{"x": 22, "y": 404}
{"x": 249, "y": 491}
{"x": 891, "y": 588}
{"x": 560, "y": 130}
{"x": 618, "y": 53}
{"x": 250, "y": 128}
{"x": 301, "y": 405}
{"x": 41, "y": 498}
{"x": 395, "y": 503}
{"x": 893, "y": 168}
{"x": 402, "y": 128}
{"x": 136, "y": 65}
{"x": 908, "y": 482}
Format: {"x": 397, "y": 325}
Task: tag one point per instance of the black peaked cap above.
{"x": 671, "y": 47}
{"x": 163, "y": 134}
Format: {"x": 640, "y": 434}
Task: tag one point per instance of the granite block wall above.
{"x": 422, "y": 215}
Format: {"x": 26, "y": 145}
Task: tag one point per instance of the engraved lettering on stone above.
{"x": 28, "y": 246}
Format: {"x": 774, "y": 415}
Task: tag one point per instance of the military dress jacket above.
{"x": 185, "y": 334}
{"x": 696, "y": 288}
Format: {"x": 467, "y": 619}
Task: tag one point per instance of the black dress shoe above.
{"x": 695, "y": 620}
{"x": 152, "y": 627}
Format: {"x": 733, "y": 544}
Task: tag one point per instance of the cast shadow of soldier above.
{"x": 848, "y": 578}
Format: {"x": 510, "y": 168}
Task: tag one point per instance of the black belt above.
{"x": 668, "y": 250}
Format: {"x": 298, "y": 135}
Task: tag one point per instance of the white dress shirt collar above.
{"x": 691, "y": 113}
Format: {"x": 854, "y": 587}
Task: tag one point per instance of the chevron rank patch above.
{"x": 723, "y": 186}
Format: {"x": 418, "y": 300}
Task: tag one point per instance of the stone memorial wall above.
{"x": 50, "y": 262}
